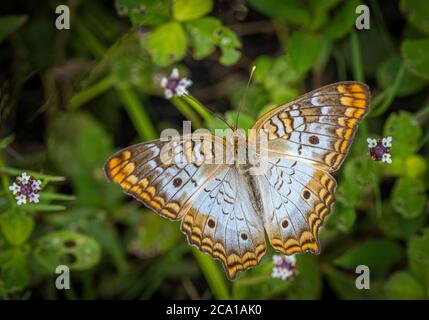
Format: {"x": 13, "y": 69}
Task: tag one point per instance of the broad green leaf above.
{"x": 16, "y": 227}
{"x": 303, "y": 50}
{"x": 202, "y": 34}
{"x": 229, "y": 43}
{"x": 403, "y": 286}
{"x": 410, "y": 83}
{"x": 9, "y": 24}
{"x": 292, "y": 11}
{"x": 263, "y": 66}
{"x": 184, "y": 10}
{"x": 378, "y": 255}
{"x": 405, "y": 132}
{"x": 418, "y": 256}
{"x": 14, "y": 268}
{"x": 408, "y": 197}
{"x": 167, "y": 43}
{"x": 416, "y": 57}
{"x": 145, "y": 12}
{"x": 343, "y": 21}
{"x": 415, "y": 166}
{"x": 417, "y": 13}
{"x": 72, "y": 249}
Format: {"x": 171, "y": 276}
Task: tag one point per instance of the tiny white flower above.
{"x": 277, "y": 259}
{"x": 371, "y": 142}
{"x": 387, "y": 158}
{"x": 174, "y": 73}
{"x": 24, "y": 178}
{"x": 387, "y": 142}
{"x": 15, "y": 188}
{"x": 21, "y": 200}
{"x": 168, "y": 94}
{"x": 34, "y": 197}
{"x": 164, "y": 82}
{"x": 37, "y": 185}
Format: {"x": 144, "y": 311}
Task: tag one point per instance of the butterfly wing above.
{"x": 296, "y": 197}
{"x": 319, "y": 126}
{"x": 212, "y": 200}
{"x": 307, "y": 139}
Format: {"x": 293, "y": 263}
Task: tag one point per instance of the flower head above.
{"x": 26, "y": 189}
{"x": 284, "y": 267}
{"x": 174, "y": 86}
{"x": 379, "y": 149}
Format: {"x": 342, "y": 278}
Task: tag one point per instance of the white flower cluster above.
{"x": 26, "y": 189}
{"x": 284, "y": 267}
{"x": 174, "y": 86}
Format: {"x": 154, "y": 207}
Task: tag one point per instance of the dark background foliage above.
{"x": 70, "y": 98}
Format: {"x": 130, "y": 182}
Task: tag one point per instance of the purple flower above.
{"x": 379, "y": 149}
{"x": 284, "y": 267}
{"x": 26, "y": 189}
{"x": 174, "y": 86}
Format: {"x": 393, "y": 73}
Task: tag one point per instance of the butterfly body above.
{"x": 280, "y": 186}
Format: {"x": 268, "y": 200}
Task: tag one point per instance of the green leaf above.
{"x": 9, "y": 24}
{"x": 416, "y": 57}
{"x": 409, "y": 84}
{"x": 184, "y": 10}
{"x": 72, "y": 249}
{"x": 308, "y": 282}
{"x": 378, "y": 255}
{"x": 408, "y": 197}
{"x": 343, "y": 21}
{"x": 14, "y": 268}
{"x": 343, "y": 217}
{"x": 303, "y": 51}
{"x": 292, "y": 11}
{"x": 344, "y": 285}
{"x": 203, "y": 35}
{"x": 403, "y": 286}
{"x": 418, "y": 256}
{"x": 417, "y": 13}
{"x": 228, "y": 42}
{"x": 167, "y": 43}
{"x": 145, "y": 12}
{"x": 405, "y": 132}
{"x": 16, "y": 227}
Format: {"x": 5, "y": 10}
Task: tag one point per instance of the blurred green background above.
{"x": 70, "y": 98}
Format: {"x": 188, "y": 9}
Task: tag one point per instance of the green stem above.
{"x": 56, "y": 196}
{"x": 186, "y": 111}
{"x": 215, "y": 279}
{"x": 42, "y": 207}
{"x": 390, "y": 93}
{"x": 91, "y": 42}
{"x": 358, "y": 73}
{"x": 137, "y": 113}
{"x": 198, "y": 107}
{"x": 87, "y": 94}
{"x": 17, "y": 172}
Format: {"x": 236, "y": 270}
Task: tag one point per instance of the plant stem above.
{"x": 16, "y": 172}
{"x": 211, "y": 272}
{"x": 87, "y": 94}
{"x": 184, "y": 109}
{"x": 137, "y": 113}
{"x": 358, "y": 73}
{"x": 198, "y": 107}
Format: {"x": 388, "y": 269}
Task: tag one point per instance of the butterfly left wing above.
{"x": 317, "y": 127}
{"x": 296, "y": 197}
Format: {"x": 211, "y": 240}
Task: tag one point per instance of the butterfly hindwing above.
{"x": 319, "y": 126}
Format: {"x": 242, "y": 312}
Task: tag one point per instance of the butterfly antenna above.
{"x": 216, "y": 114}
{"x": 243, "y": 99}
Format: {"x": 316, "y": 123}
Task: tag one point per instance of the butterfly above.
{"x": 225, "y": 211}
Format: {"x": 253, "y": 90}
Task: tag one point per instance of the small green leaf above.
{"x": 145, "y": 12}
{"x": 343, "y": 21}
{"x": 167, "y": 44}
{"x": 184, "y": 10}
{"x": 418, "y": 256}
{"x": 293, "y": 11}
{"x": 9, "y": 24}
{"x": 405, "y": 132}
{"x": 308, "y": 282}
{"x": 303, "y": 51}
{"x": 203, "y": 35}
{"x": 343, "y": 217}
{"x": 16, "y": 227}
{"x": 378, "y": 255}
{"x": 75, "y": 250}
{"x": 416, "y": 57}
{"x": 415, "y": 166}
{"x": 417, "y": 13}
{"x": 408, "y": 197}
{"x": 14, "y": 268}
{"x": 409, "y": 84}
{"x": 403, "y": 286}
